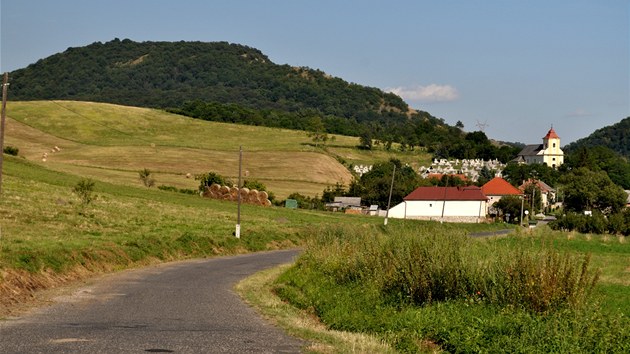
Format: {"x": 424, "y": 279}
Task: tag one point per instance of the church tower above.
{"x": 553, "y": 156}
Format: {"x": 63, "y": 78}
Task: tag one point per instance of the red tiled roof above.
{"x": 446, "y": 193}
{"x": 544, "y": 187}
{"x": 551, "y": 134}
{"x": 499, "y": 186}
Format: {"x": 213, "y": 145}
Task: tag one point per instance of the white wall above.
{"x": 433, "y": 209}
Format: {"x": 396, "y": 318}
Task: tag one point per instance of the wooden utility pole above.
{"x": 5, "y": 83}
{"x": 237, "y": 232}
{"x": 389, "y": 200}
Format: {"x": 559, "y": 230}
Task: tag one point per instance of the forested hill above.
{"x": 166, "y": 74}
{"x": 615, "y": 137}
{"x": 227, "y": 82}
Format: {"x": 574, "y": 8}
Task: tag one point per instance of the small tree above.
{"x": 510, "y": 205}
{"x": 317, "y": 131}
{"x": 84, "y": 189}
{"x": 365, "y": 141}
{"x": 147, "y": 180}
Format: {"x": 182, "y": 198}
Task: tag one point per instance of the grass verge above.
{"x": 257, "y": 291}
{"x": 410, "y": 285}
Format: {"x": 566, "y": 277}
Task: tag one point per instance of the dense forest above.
{"x": 615, "y": 137}
{"x": 227, "y": 82}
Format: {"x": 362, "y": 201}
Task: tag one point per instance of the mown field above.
{"x": 112, "y": 143}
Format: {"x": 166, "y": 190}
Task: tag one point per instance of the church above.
{"x": 548, "y": 152}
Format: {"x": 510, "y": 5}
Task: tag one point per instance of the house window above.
{"x": 554, "y": 159}
{"x": 430, "y": 205}
{"x": 554, "y": 144}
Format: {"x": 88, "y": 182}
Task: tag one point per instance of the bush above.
{"x": 84, "y": 189}
{"x": 145, "y": 177}
{"x": 167, "y": 188}
{"x": 11, "y": 150}
{"x": 211, "y": 178}
{"x": 306, "y": 202}
{"x": 597, "y": 223}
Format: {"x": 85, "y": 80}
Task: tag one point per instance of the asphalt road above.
{"x": 183, "y": 307}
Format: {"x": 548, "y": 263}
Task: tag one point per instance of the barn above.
{"x": 451, "y": 204}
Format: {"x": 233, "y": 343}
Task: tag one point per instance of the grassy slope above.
{"x": 48, "y": 237}
{"x": 112, "y": 143}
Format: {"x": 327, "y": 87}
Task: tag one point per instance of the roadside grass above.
{"x": 257, "y": 290}
{"x": 416, "y": 286}
{"x": 46, "y": 232}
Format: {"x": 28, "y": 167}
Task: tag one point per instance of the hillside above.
{"x": 166, "y": 74}
{"x": 233, "y": 83}
{"x": 615, "y": 137}
{"x": 112, "y": 143}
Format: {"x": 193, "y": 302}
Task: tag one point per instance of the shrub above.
{"x": 145, "y": 177}
{"x": 167, "y": 188}
{"x": 84, "y": 189}
{"x": 175, "y": 189}
{"x": 11, "y": 150}
{"x": 306, "y": 202}
{"x": 211, "y": 178}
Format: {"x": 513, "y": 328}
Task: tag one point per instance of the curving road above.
{"x": 183, "y": 307}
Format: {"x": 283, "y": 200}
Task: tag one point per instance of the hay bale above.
{"x": 215, "y": 187}
{"x": 267, "y": 203}
{"x": 263, "y": 195}
{"x": 224, "y": 190}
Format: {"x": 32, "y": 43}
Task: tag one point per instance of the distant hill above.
{"x": 166, "y": 74}
{"x": 615, "y": 137}
{"x": 233, "y": 83}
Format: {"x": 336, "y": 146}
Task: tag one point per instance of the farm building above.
{"x": 453, "y": 204}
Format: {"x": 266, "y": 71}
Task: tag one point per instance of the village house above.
{"x": 496, "y": 189}
{"x": 548, "y": 152}
{"x": 452, "y": 204}
{"x": 548, "y": 194}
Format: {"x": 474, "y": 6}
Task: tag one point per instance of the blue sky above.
{"x": 516, "y": 66}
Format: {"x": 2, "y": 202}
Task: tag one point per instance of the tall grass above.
{"x": 418, "y": 285}
{"x": 421, "y": 266}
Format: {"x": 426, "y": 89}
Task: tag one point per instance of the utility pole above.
{"x": 238, "y": 218}
{"x": 389, "y": 201}
{"x": 5, "y": 84}
{"x": 522, "y": 202}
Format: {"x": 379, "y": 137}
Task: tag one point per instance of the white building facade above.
{"x": 451, "y": 204}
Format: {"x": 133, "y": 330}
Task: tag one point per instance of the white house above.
{"x": 496, "y": 189}
{"x": 453, "y": 204}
